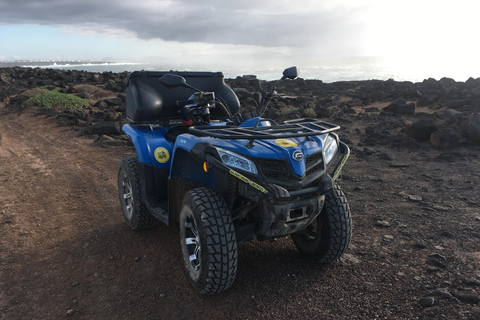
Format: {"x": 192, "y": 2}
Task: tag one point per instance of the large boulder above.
{"x": 471, "y": 127}
{"x": 103, "y": 128}
{"x": 113, "y": 86}
{"x": 445, "y": 138}
{"x": 322, "y": 112}
{"x": 400, "y": 106}
{"x": 421, "y": 130}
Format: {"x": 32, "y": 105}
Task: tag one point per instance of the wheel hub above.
{"x": 192, "y": 242}
{"x": 128, "y": 195}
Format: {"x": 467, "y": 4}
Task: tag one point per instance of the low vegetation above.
{"x": 289, "y": 111}
{"x": 94, "y": 93}
{"x": 34, "y": 92}
{"x": 53, "y": 99}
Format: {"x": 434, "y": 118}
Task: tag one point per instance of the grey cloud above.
{"x": 264, "y": 23}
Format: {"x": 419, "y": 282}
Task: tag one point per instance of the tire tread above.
{"x": 221, "y": 240}
{"x": 141, "y": 218}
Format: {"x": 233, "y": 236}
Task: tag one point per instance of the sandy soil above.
{"x": 66, "y": 251}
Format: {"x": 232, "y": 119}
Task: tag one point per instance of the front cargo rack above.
{"x": 290, "y": 129}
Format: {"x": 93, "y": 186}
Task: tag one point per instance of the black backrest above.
{"x": 149, "y": 101}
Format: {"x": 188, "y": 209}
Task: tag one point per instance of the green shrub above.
{"x": 288, "y": 111}
{"x": 53, "y": 99}
{"x": 311, "y": 113}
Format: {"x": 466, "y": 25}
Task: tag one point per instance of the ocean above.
{"x": 327, "y": 70}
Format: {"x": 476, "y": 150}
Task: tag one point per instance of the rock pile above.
{"x": 397, "y": 109}
{"x": 444, "y": 112}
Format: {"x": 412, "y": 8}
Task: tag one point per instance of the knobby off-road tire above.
{"x": 130, "y": 194}
{"x": 328, "y": 236}
{"x": 208, "y": 241}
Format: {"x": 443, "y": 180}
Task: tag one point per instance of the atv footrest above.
{"x": 158, "y": 209}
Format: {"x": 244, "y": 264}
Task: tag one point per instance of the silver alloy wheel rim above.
{"x": 128, "y": 195}
{"x": 192, "y": 242}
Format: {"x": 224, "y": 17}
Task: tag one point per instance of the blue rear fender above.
{"x": 150, "y": 144}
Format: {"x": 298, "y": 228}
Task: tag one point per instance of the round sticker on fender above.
{"x": 285, "y": 143}
{"x": 161, "y": 154}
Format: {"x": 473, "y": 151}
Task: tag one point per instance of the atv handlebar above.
{"x": 184, "y": 103}
{"x": 282, "y": 96}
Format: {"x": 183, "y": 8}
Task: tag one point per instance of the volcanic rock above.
{"x": 421, "y": 130}
{"x": 401, "y": 107}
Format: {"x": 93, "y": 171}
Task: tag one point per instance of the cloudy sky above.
{"x": 239, "y": 30}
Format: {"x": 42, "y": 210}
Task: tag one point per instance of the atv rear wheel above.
{"x": 208, "y": 241}
{"x": 328, "y": 236}
{"x": 130, "y": 194}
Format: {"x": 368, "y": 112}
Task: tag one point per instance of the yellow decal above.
{"x": 340, "y": 166}
{"x": 285, "y": 143}
{"x": 248, "y": 181}
{"x": 162, "y": 155}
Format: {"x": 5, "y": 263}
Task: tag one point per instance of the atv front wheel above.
{"x": 130, "y": 194}
{"x": 328, "y": 236}
{"x": 208, "y": 241}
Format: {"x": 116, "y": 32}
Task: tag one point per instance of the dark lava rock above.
{"x": 401, "y": 107}
{"x": 107, "y": 128}
{"x": 421, "y": 130}
{"x": 471, "y": 282}
{"x": 385, "y": 156}
{"x": 409, "y": 143}
{"x": 420, "y": 244}
{"x": 113, "y": 102}
{"x": 322, "y": 112}
{"x": 18, "y": 100}
{"x": 445, "y": 138}
{"x": 113, "y": 86}
{"x": 472, "y": 127}
{"x": 101, "y": 104}
{"x": 468, "y": 297}
{"x": 440, "y": 293}
{"x": 427, "y": 302}
{"x": 451, "y": 116}
{"x": 370, "y": 130}
{"x": 437, "y": 260}
{"x": 372, "y": 109}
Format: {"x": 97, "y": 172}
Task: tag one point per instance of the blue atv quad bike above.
{"x": 225, "y": 177}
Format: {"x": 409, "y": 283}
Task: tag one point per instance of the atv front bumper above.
{"x": 256, "y": 188}
{"x": 285, "y": 210}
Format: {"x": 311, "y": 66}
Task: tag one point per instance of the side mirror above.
{"x": 290, "y": 73}
{"x": 172, "y": 81}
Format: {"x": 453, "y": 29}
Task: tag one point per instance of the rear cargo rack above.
{"x": 290, "y": 129}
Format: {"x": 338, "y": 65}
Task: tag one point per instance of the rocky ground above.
{"x": 412, "y": 183}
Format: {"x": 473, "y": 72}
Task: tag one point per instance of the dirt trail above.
{"x": 66, "y": 251}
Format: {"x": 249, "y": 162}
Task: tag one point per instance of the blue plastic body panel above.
{"x": 147, "y": 139}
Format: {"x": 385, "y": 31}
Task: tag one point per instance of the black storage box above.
{"x": 150, "y": 101}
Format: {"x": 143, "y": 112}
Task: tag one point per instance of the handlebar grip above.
{"x": 183, "y": 103}
{"x": 285, "y": 97}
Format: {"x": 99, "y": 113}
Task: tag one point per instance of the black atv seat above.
{"x": 150, "y": 101}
